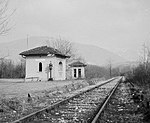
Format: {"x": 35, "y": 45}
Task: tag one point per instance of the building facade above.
{"x": 77, "y": 70}
{"x": 45, "y": 63}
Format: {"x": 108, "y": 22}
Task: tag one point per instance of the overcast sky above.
{"x": 118, "y": 25}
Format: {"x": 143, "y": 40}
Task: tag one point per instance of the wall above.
{"x": 60, "y": 74}
{"x": 32, "y": 67}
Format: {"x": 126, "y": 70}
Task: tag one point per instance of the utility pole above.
{"x": 144, "y": 53}
{"x": 27, "y": 41}
{"x": 145, "y": 57}
{"x": 145, "y": 60}
{"x": 110, "y": 68}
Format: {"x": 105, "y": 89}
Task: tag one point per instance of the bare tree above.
{"x": 4, "y": 17}
{"x": 2, "y": 60}
{"x": 145, "y": 57}
{"x": 66, "y": 48}
{"x": 63, "y": 45}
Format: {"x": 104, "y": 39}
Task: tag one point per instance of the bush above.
{"x": 94, "y": 71}
{"x": 140, "y": 75}
{"x": 10, "y": 70}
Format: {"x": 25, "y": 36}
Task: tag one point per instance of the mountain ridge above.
{"x": 92, "y": 54}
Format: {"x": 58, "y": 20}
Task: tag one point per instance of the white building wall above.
{"x": 64, "y": 70}
{"x": 72, "y": 71}
{"x": 60, "y": 74}
{"x": 32, "y": 67}
{"x": 83, "y": 72}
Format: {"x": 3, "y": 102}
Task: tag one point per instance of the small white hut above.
{"x": 77, "y": 70}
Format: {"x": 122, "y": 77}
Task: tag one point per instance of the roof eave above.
{"x": 61, "y": 55}
{"x": 77, "y": 65}
{"x": 33, "y": 54}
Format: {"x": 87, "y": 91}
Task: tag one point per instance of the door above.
{"x": 79, "y": 73}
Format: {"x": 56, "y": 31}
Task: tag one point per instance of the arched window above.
{"x": 40, "y": 67}
{"x": 60, "y": 66}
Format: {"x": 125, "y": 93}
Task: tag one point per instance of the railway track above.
{"x": 127, "y": 105}
{"x": 102, "y": 108}
{"x": 80, "y": 107}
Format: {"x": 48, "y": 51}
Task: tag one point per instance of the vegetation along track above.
{"x": 81, "y": 107}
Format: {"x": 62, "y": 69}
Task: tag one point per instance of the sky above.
{"x": 121, "y": 26}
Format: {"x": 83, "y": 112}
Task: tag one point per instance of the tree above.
{"x": 4, "y": 20}
{"x": 145, "y": 57}
{"x": 4, "y": 28}
{"x": 63, "y": 45}
{"x": 2, "y": 65}
{"x": 4, "y": 17}
{"x": 94, "y": 71}
{"x": 140, "y": 75}
{"x": 10, "y": 70}
{"x": 66, "y": 48}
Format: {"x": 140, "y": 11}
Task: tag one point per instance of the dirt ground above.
{"x": 13, "y": 87}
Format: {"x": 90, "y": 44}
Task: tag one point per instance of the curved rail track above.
{"x": 79, "y": 108}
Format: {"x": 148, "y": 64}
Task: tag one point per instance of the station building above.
{"x": 45, "y": 63}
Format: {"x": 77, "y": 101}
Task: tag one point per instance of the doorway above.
{"x": 79, "y": 73}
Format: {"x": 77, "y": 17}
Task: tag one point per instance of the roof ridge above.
{"x": 42, "y": 50}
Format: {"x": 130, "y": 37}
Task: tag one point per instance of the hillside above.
{"x": 92, "y": 54}
{"x": 98, "y": 56}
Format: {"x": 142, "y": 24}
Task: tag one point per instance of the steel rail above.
{"x": 27, "y": 117}
{"x": 95, "y": 119}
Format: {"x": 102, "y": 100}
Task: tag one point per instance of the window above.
{"x": 60, "y": 69}
{"x": 60, "y": 66}
{"x": 40, "y": 67}
{"x": 79, "y": 73}
{"x": 75, "y": 72}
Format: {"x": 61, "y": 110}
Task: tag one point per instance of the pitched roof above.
{"x": 43, "y": 51}
{"x": 77, "y": 64}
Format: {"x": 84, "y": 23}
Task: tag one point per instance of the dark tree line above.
{"x": 140, "y": 75}
{"x": 9, "y": 69}
{"x": 94, "y": 71}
